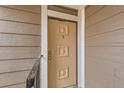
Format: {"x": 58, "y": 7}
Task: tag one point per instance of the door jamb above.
{"x": 44, "y": 48}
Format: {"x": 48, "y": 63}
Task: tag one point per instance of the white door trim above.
{"x": 44, "y": 43}
{"x": 81, "y": 46}
{"x": 62, "y": 15}
{"x": 44, "y": 48}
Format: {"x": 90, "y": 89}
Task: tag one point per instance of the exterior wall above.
{"x": 19, "y": 43}
{"x": 104, "y": 46}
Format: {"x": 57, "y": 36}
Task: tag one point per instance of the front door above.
{"x": 61, "y": 53}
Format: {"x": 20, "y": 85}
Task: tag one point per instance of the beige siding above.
{"x": 16, "y": 65}
{"x": 92, "y": 10}
{"x": 19, "y": 40}
{"x": 19, "y": 43}
{"x": 18, "y": 85}
{"x": 19, "y": 16}
{"x": 31, "y": 8}
{"x": 104, "y": 14}
{"x": 13, "y": 78}
{"x": 104, "y": 46}
{"x": 11, "y": 27}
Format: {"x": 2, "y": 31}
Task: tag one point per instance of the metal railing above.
{"x": 33, "y": 79}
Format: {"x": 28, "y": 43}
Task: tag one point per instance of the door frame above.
{"x": 45, "y": 13}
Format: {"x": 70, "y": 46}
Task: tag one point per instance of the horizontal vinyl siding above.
{"x": 18, "y": 85}
{"x": 19, "y": 16}
{"x": 19, "y": 52}
{"x": 92, "y": 10}
{"x": 26, "y": 8}
{"x": 19, "y": 43}
{"x": 16, "y": 65}
{"x": 105, "y": 47}
{"x": 19, "y": 28}
{"x": 13, "y": 78}
{"x": 104, "y": 14}
{"x": 19, "y": 40}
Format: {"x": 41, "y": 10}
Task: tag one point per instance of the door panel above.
{"x": 61, "y": 53}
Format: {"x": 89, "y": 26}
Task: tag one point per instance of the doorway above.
{"x": 62, "y": 54}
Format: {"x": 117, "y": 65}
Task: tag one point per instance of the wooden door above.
{"x": 61, "y": 53}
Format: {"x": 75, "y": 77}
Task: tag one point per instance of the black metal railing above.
{"x": 33, "y": 79}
